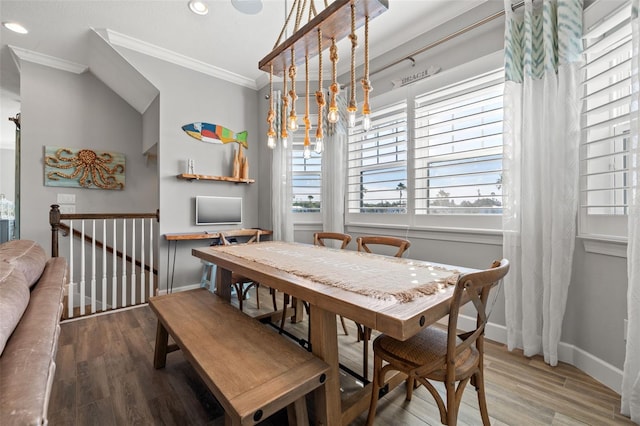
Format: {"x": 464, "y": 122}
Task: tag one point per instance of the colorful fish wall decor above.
{"x": 214, "y": 133}
{"x": 84, "y": 168}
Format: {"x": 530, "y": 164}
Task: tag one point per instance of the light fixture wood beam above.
{"x": 335, "y": 22}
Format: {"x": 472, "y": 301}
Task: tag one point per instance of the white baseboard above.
{"x": 600, "y": 370}
{"x": 181, "y": 288}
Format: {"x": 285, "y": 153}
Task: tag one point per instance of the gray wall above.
{"x": 78, "y": 111}
{"x": 185, "y": 97}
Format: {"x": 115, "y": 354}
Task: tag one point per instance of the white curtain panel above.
{"x": 630, "y": 405}
{"x": 281, "y": 182}
{"x": 541, "y": 137}
{"x": 334, "y": 173}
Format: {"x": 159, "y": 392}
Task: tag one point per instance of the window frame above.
{"x": 490, "y": 222}
{"x": 603, "y": 227}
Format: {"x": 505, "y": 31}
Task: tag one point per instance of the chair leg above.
{"x": 375, "y": 388}
{"x": 273, "y": 299}
{"x": 410, "y": 386}
{"x": 238, "y": 287}
{"x": 452, "y": 403}
{"x": 344, "y": 326}
{"x": 482, "y": 402}
{"x": 284, "y": 312}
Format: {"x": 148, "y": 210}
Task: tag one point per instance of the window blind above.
{"x": 605, "y": 116}
{"x": 377, "y": 162}
{"x": 458, "y": 148}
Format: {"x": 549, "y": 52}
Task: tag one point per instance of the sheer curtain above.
{"x": 631, "y": 376}
{"x": 541, "y": 138}
{"x": 334, "y": 170}
{"x": 281, "y": 182}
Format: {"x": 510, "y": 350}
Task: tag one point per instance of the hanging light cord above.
{"x": 366, "y": 84}
{"x": 307, "y": 123}
{"x": 320, "y": 94}
{"x": 354, "y": 44}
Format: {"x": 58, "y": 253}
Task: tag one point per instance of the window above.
{"x": 605, "y": 120}
{"x": 433, "y": 156}
{"x": 377, "y": 168}
{"x": 306, "y": 176}
{"x": 458, "y": 148}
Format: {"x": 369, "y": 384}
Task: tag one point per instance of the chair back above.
{"x": 474, "y": 287}
{"x": 252, "y": 234}
{"x": 319, "y": 238}
{"x": 400, "y": 243}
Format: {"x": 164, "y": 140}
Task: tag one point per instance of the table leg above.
{"x": 162, "y": 340}
{"x": 223, "y": 283}
{"x": 324, "y": 344}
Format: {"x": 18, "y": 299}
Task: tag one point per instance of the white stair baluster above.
{"x": 142, "y": 274}
{"x": 133, "y": 262}
{"x": 82, "y": 269}
{"x": 124, "y": 262}
{"x": 72, "y": 285}
{"x": 114, "y": 268}
{"x": 104, "y": 265}
{"x": 151, "y": 275}
{"x": 93, "y": 266}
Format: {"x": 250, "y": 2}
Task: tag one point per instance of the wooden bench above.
{"x": 251, "y": 370}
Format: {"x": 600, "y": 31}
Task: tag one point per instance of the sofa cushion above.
{"x": 27, "y": 256}
{"x": 14, "y": 298}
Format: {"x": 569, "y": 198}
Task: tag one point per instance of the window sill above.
{"x": 600, "y": 244}
{"x": 464, "y": 235}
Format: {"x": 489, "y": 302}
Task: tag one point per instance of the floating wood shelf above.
{"x": 192, "y": 177}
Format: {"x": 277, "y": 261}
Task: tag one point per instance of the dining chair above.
{"x": 320, "y": 239}
{"x": 441, "y": 355}
{"x": 241, "y": 283}
{"x": 364, "y": 245}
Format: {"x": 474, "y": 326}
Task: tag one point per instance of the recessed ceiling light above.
{"x": 15, "y": 27}
{"x": 198, "y": 7}
{"x": 250, "y": 7}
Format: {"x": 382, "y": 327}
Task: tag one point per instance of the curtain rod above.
{"x": 447, "y": 38}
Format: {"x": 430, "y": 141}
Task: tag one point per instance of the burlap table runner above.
{"x": 382, "y": 277}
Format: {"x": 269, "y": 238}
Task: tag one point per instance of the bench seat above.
{"x": 251, "y": 370}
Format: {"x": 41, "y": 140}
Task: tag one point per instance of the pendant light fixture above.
{"x": 338, "y": 20}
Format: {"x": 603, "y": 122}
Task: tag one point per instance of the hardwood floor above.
{"x": 105, "y": 376}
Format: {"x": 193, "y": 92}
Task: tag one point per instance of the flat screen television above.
{"x": 218, "y": 210}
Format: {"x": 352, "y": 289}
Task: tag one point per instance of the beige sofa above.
{"x": 31, "y": 290}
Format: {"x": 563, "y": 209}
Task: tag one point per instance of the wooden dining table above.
{"x": 397, "y": 297}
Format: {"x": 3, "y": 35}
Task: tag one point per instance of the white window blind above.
{"x": 377, "y": 168}
{"x": 605, "y": 123}
{"x": 458, "y": 147}
{"x": 306, "y": 175}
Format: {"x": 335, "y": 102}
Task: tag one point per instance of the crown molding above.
{"x": 167, "y": 55}
{"x": 20, "y": 54}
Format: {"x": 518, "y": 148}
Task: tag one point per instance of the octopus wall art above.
{"x": 83, "y": 168}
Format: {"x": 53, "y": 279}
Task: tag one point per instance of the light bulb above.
{"x": 352, "y": 119}
{"x": 285, "y": 142}
{"x": 333, "y": 116}
{"x": 293, "y": 123}
{"x": 366, "y": 122}
{"x": 319, "y": 145}
{"x": 271, "y": 141}
{"x": 307, "y": 152}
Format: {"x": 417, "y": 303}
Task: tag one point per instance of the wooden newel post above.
{"x": 54, "y": 221}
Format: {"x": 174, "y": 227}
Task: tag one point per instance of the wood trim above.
{"x": 191, "y": 177}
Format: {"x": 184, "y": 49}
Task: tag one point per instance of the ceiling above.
{"x": 225, "y": 38}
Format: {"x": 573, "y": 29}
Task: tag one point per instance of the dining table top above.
{"x": 396, "y": 296}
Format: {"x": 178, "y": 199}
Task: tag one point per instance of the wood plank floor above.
{"x": 105, "y": 376}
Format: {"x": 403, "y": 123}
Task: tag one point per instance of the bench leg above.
{"x": 162, "y": 341}
{"x": 297, "y": 413}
